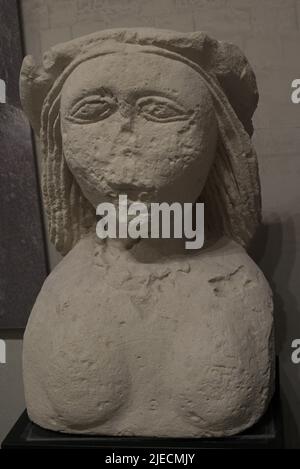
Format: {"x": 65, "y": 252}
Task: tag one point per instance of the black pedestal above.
{"x": 267, "y": 433}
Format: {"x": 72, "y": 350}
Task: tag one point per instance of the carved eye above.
{"x": 93, "y": 109}
{"x": 160, "y": 109}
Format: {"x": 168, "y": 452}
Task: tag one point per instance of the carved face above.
{"x": 139, "y": 124}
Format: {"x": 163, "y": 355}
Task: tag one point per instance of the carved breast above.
{"x": 129, "y": 344}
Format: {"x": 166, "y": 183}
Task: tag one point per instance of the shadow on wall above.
{"x": 274, "y": 249}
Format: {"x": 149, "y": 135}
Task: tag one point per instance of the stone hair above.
{"x": 232, "y": 191}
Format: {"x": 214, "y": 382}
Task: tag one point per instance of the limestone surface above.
{"x": 146, "y": 337}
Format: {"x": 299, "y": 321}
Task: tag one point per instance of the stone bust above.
{"x": 148, "y": 338}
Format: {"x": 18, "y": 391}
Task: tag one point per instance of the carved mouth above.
{"x": 131, "y": 190}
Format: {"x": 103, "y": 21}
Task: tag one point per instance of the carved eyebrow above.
{"x": 187, "y": 110}
{"x": 100, "y": 92}
{"x": 152, "y": 92}
{"x": 92, "y": 98}
{"x": 103, "y": 91}
{"x": 163, "y": 97}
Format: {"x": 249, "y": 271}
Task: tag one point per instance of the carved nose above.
{"x": 125, "y": 143}
{"x": 126, "y": 112}
{"x": 126, "y": 125}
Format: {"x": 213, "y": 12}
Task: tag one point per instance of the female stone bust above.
{"x": 148, "y": 338}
